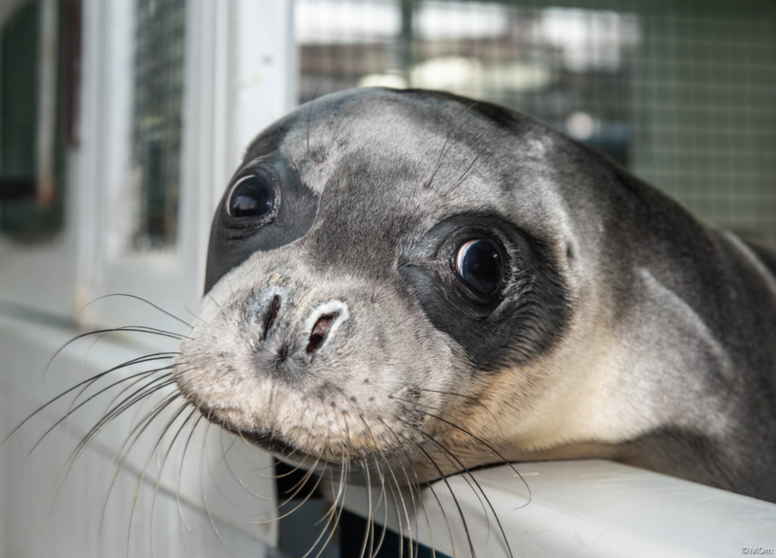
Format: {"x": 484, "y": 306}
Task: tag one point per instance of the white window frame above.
{"x": 239, "y": 76}
{"x": 579, "y": 508}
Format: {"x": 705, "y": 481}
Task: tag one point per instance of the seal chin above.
{"x": 273, "y": 444}
{"x": 362, "y": 469}
{"x": 264, "y": 440}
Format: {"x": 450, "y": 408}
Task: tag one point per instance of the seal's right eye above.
{"x": 478, "y": 263}
{"x": 252, "y": 196}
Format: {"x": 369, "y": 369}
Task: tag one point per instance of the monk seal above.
{"x": 414, "y": 282}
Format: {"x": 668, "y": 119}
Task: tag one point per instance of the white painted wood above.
{"x": 239, "y": 76}
{"x": 36, "y": 522}
{"x": 584, "y": 508}
{"x": 61, "y": 277}
{"x": 171, "y": 279}
{"x": 265, "y": 71}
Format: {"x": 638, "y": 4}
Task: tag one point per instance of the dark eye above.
{"x": 252, "y": 196}
{"x": 478, "y": 263}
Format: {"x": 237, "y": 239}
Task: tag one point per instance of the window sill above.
{"x": 586, "y": 508}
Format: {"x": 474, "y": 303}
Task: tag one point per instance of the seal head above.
{"x": 410, "y": 277}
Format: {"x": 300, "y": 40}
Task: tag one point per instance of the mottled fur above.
{"x": 627, "y": 328}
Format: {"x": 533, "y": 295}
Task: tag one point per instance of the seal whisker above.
{"x": 396, "y": 489}
{"x": 335, "y": 512}
{"x": 309, "y": 116}
{"x": 374, "y": 549}
{"x": 141, "y": 299}
{"x": 105, "y": 331}
{"x": 414, "y": 491}
{"x": 430, "y": 180}
{"x": 234, "y": 473}
{"x": 488, "y": 446}
{"x": 470, "y": 399}
{"x": 282, "y": 133}
{"x": 383, "y": 496}
{"x": 430, "y": 487}
{"x": 464, "y": 472}
{"x": 163, "y": 373}
{"x": 181, "y": 516}
{"x": 462, "y": 469}
{"x": 121, "y": 329}
{"x": 212, "y": 299}
{"x": 86, "y": 383}
{"x": 401, "y": 506}
{"x": 413, "y": 486}
{"x": 75, "y": 455}
{"x": 299, "y": 486}
{"x": 123, "y": 452}
{"x": 338, "y": 505}
{"x": 466, "y": 171}
{"x": 131, "y": 400}
{"x": 151, "y": 453}
{"x": 450, "y": 132}
{"x": 73, "y": 409}
{"x": 292, "y": 470}
{"x": 141, "y": 360}
{"x": 181, "y": 430}
{"x": 368, "y": 538}
{"x": 370, "y": 530}
{"x": 443, "y": 478}
{"x": 211, "y": 470}
{"x": 203, "y": 453}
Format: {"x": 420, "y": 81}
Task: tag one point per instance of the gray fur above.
{"x": 658, "y": 346}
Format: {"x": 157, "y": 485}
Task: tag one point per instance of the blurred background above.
{"x": 122, "y": 121}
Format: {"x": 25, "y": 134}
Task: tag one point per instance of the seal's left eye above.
{"x": 252, "y": 196}
{"x": 477, "y": 262}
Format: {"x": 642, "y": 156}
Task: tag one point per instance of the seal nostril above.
{"x": 272, "y": 315}
{"x": 319, "y": 331}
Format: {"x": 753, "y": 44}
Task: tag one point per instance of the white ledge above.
{"x": 586, "y": 508}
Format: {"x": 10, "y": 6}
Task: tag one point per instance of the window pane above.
{"x": 157, "y": 120}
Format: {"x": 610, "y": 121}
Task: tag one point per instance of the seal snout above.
{"x": 285, "y": 338}
{"x": 322, "y": 322}
{"x": 271, "y": 315}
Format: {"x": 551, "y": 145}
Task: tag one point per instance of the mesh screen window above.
{"x": 683, "y": 93}
{"x": 158, "y": 94}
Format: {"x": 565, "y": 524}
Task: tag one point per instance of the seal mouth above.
{"x": 281, "y": 449}
{"x": 265, "y": 440}
{"x": 330, "y": 462}
{"x": 300, "y": 458}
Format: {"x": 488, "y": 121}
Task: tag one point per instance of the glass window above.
{"x": 158, "y": 96}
